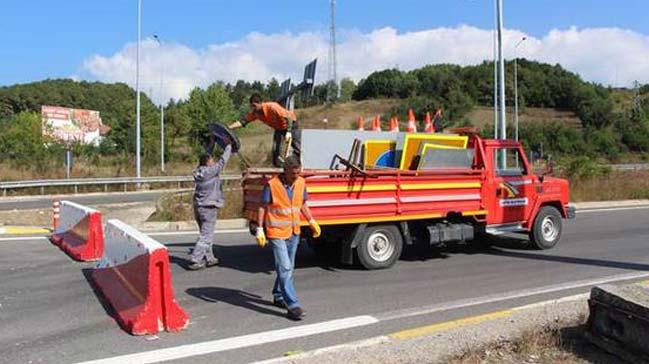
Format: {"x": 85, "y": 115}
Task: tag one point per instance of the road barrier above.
{"x": 134, "y": 277}
{"x": 78, "y": 232}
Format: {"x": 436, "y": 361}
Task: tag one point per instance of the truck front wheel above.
{"x": 380, "y": 246}
{"x": 547, "y": 228}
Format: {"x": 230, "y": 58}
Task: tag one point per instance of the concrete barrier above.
{"x": 79, "y": 232}
{"x": 619, "y": 321}
{"x": 134, "y": 278}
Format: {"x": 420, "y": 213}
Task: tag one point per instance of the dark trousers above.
{"x": 278, "y": 141}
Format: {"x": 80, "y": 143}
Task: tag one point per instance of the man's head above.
{"x": 292, "y": 168}
{"x": 206, "y": 160}
{"x": 255, "y": 102}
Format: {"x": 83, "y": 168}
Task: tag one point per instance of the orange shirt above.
{"x": 273, "y": 115}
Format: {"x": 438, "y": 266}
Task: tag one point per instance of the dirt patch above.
{"x": 555, "y": 344}
{"x": 482, "y": 115}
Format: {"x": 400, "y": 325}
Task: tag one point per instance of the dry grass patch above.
{"x": 618, "y": 185}
{"x": 559, "y": 344}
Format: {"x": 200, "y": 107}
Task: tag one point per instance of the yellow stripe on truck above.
{"x": 362, "y": 220}
{"x": 359, "y": 188}
{"x": 440, "y": 186}
{"x": 392, "y": 187}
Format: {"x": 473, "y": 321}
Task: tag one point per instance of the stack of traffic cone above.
{"x": 361, "y": 123}
{"x": 428, "y": 124}
{"x": 394, "y": 124}
{"x": 412, "y": 124}
{"x": 376, "y": 124}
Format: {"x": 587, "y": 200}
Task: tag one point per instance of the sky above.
{"x": 203, "y": 41}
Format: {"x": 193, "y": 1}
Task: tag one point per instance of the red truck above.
{"x": 375, "y": 212}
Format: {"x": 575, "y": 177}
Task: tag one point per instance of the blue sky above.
{"x": 49, "y": 39}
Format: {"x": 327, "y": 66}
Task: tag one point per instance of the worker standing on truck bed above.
{"x": 281, "y": 120}
{"x": 208, "y": 198}
{"x": 284, "y": 199}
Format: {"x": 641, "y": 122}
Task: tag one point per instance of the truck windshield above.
{"x": 508, "y": 162}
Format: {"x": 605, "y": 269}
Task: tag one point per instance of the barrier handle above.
{"x": 56, "y": 209}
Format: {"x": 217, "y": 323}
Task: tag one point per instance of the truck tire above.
{"x": 380, "y": 246}
{"x": 547, "y": 228}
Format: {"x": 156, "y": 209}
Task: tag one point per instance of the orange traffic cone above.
{"x": 376, "y": 124}
{"x": 412, "y": 124}
{"x": 428, "y": 124}
{"x": 361, "y": 123}
{"x": 394, "y": 124}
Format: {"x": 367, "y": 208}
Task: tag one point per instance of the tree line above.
{"x": 610, "y": 125}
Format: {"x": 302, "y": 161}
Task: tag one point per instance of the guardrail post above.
{"x": 76, "y": 189}
{"x": 105, "y": 187}
{"x": 125, "y": 190}
{"x": 4, "y": 192}
{"x": 42, "y": 190}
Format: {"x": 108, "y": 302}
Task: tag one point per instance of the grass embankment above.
{"x": 560, "y": 344}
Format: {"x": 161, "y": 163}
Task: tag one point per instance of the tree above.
{"x": 347, "y": 88}
{"x": 206, "y": 106}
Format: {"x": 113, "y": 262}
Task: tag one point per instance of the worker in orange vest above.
{"x": 278, "y": 118}
{"x": 284, "y": 199}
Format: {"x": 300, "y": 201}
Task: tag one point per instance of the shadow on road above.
{"x": 510, "y": 246}
{"x": 236, "y": 297}
{"x": 247, "y": 258}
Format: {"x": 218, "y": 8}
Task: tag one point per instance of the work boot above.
{"x": 295, "y": 314}
{"x": 279, "y": 303}
{"x": 196, "y": 266}
{"x": 212, "y": 262}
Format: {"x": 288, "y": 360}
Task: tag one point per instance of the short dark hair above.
{"x": 203, "y": 159}
{"x": 255, "y": 98}
{"x": 292, "y": 161}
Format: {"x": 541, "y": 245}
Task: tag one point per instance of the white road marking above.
{"x": 19, "y": 238}
{"x": 238, "y": 342}
{"x": 612, "y": 209}
{"x": 506, "y": 296}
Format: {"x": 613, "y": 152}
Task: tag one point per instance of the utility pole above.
{"x": 162, "y": 114}
{"x": 495, "y": 58}
{"x": 502, "y": 121}
{"x": 333, "y": 76}
{"x": 516, "y": 86}
{"x": 137, "y": 92}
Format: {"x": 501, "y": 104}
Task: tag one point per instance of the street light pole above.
{"x": 516, "y": 85}
{"x": 502, "y": 127}
{"x": 137, "y": 91}
{"x": 162, "y": 115}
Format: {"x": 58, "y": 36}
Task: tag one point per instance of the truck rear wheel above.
{"x": 380, "y": 246}
{"x": 547, "y": 228}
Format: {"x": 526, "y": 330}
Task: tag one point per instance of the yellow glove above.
{"x": 315, "y": 228}
{"x": 261, "y": 237}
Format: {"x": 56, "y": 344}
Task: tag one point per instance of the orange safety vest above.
{"x": 283, "y": 215}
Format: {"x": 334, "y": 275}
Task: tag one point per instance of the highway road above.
{"x": 92, "y": 199}
{"x": 49, "y": 313}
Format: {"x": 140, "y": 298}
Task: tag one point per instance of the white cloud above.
{"x": 606, "y": 55}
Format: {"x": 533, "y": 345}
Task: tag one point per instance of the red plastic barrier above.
{"x": 134, "y": 277}
{"x": 79, "y": 232}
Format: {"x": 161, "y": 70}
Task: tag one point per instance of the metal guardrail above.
{"x": 76, "y": 182}
{"x": 629, "y": 167}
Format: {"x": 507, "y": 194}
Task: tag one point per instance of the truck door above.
{"x": 512, "y": 188}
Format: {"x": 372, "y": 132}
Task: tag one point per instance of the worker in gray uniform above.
{"x": 208, "y": 198}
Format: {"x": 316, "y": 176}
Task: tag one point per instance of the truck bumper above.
{"x": 571, "y": 211}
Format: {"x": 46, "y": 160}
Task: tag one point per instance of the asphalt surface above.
{"x": 39, "y": 202}
{"x": 50, "y": 314}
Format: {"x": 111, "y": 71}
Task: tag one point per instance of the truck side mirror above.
{"x": 549, "y": 168}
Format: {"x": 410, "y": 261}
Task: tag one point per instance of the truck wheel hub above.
{"x": 549, "y": 229}
{"x": 379, "y": 247}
